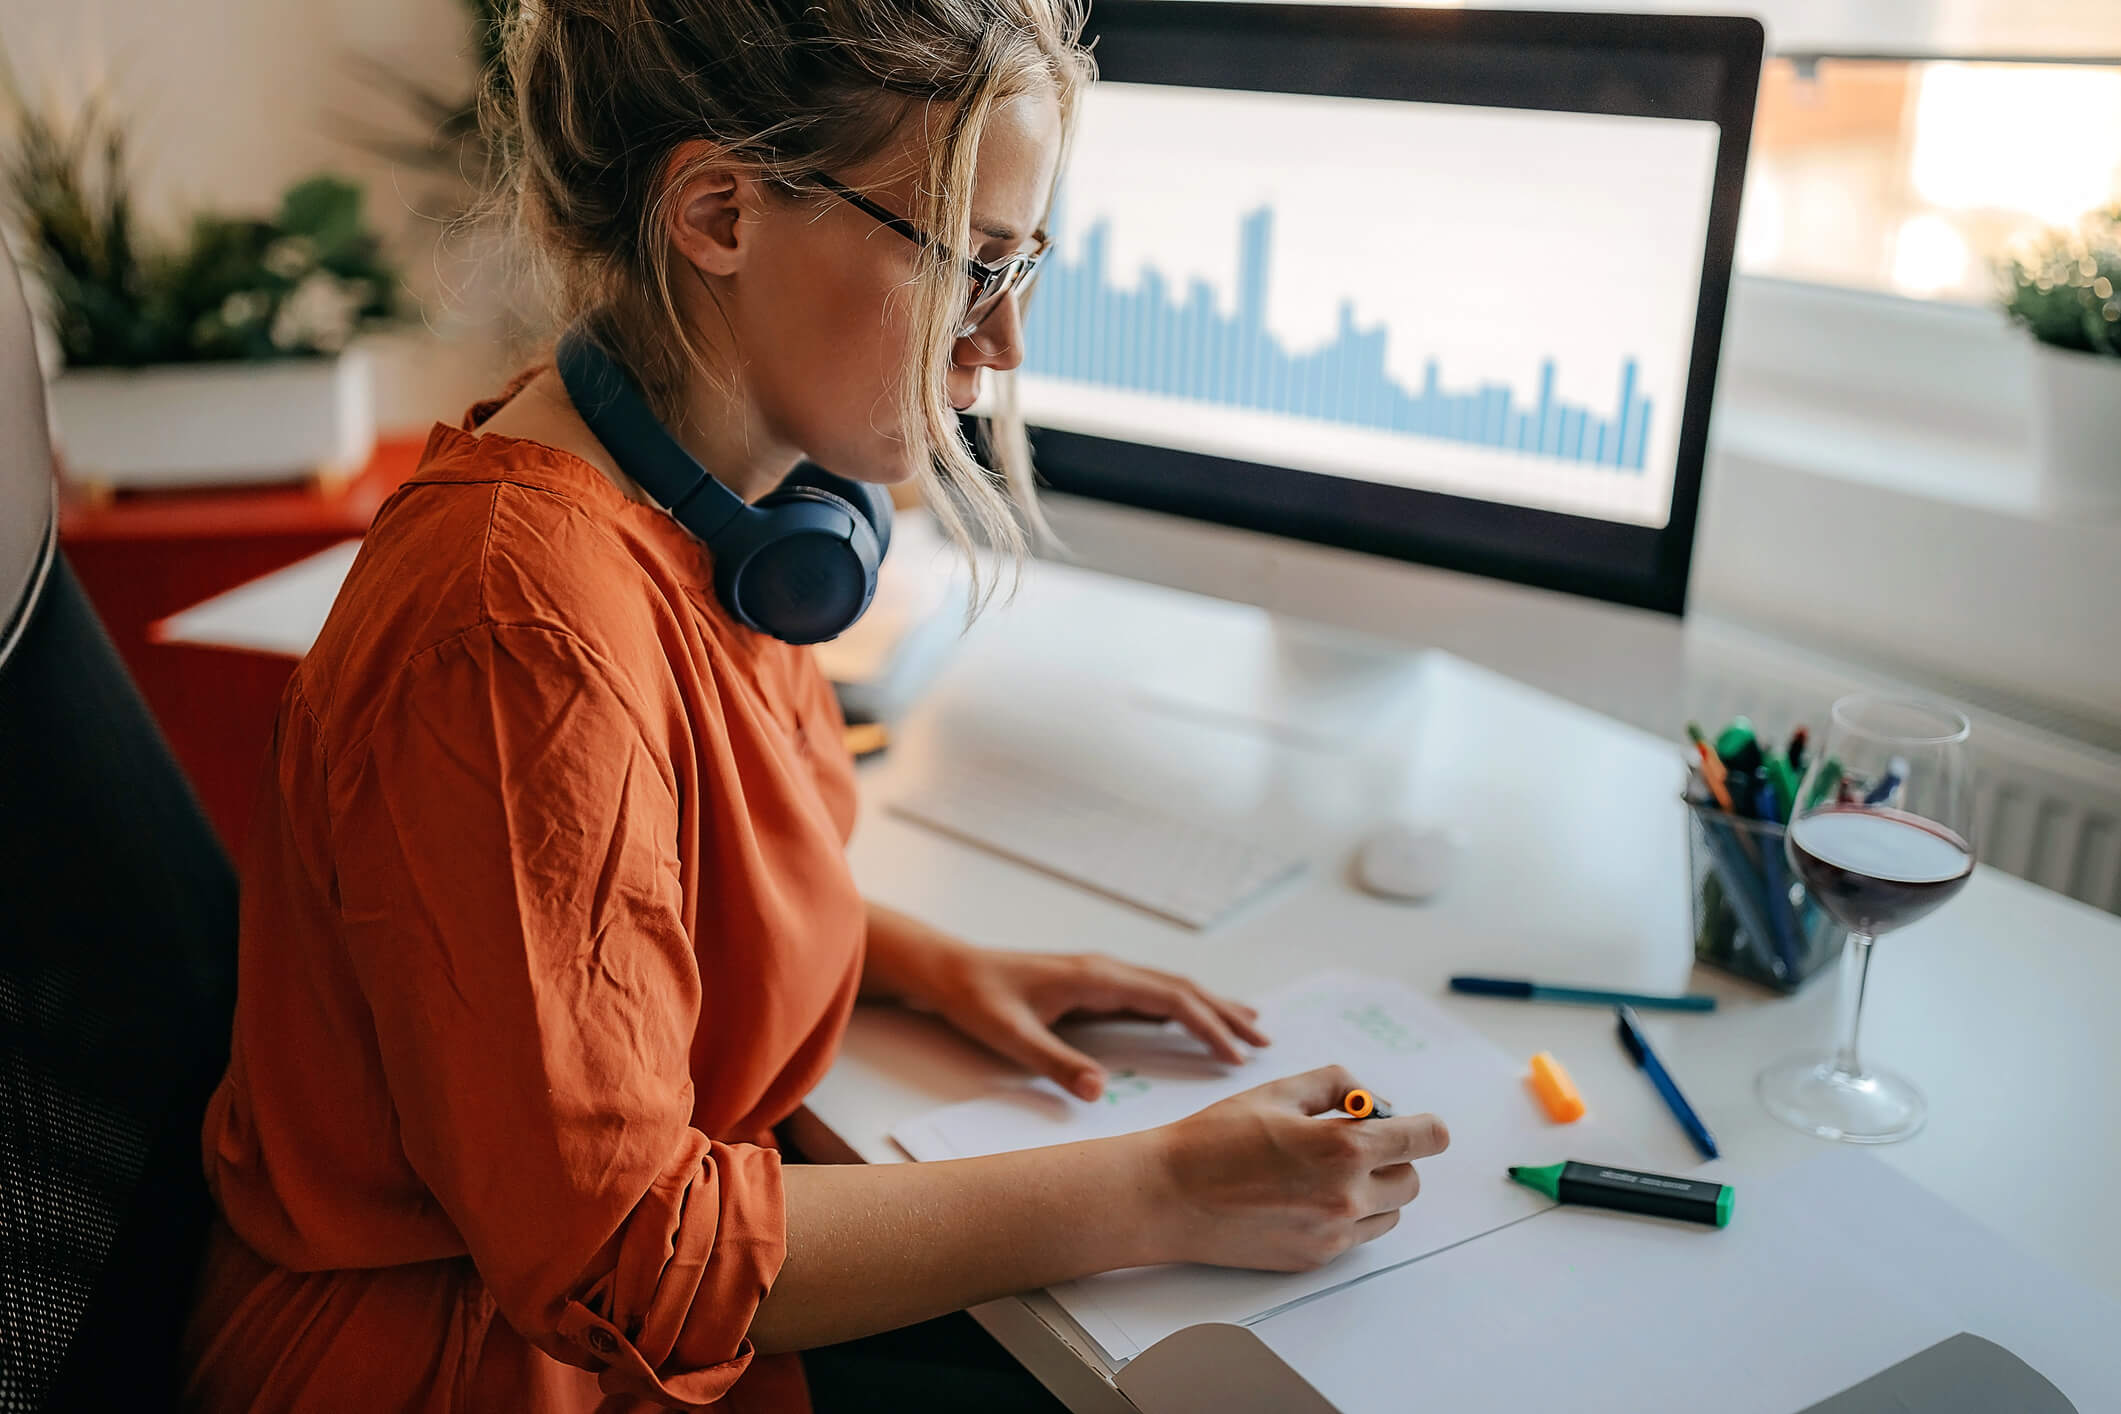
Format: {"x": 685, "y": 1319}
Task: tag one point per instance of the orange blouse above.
{"x": 546, "y": 921}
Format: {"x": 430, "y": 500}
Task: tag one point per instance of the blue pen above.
{"x": 1583, "y": 996}
{"x": 1638, "y": 1047}
{"x": 1778, "y": 891}
{"x": 1895, "y": 773}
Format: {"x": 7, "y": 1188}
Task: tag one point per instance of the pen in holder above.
{"x": 1751, "y": 917}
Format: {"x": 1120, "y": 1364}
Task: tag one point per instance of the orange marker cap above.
{"x": 1556, "y": 1092}
{"x": 1361, "y": 1104}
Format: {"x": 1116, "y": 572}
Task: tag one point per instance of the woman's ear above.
{"x": 712, "y": 207}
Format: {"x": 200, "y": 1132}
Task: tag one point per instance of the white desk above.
{"x": 2002, "y": 1006}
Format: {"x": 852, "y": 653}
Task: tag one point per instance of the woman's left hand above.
{"x": 1009, "y": 1001}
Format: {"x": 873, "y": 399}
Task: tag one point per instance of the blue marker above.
{"x": 1778, "y": 892}
{"x": 1638, "y": 1047}
{"x": 1583, "y": 996}
{"x": 1895, "y": 773}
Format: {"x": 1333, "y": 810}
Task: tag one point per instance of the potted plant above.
{"x": 222, "y": 355}
{"x": 2065, "y": 288}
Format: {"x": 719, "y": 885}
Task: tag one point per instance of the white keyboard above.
{"x": 1173, "y": 867}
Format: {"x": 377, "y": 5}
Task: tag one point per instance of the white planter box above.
{"x": 2077, "y": 428}
{"x": 215, "y": 424}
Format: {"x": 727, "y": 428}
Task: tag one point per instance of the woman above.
{"x": 547, "y": 921}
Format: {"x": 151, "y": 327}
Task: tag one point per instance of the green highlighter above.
{"x": 1738, "y": 747}
{"x": 1624, "y": 1190}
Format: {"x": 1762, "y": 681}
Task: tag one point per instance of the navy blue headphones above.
{"x": 799, "y": 566}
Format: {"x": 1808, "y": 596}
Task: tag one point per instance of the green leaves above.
{"x": 2066, "y": 287}
{"x": 325, "y": 209}
{"x": 231, "y": 287}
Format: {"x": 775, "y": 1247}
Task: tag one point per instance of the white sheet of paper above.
{"x": 1829, "y": 1273}
{"x": 1396, "y": 1041}
{"x": 280, "y": 613}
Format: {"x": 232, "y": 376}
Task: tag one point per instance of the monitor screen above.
{"x": 1446, "y": 286}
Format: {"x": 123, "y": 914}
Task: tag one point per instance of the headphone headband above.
{"x": 800, "y": 565}
{"x": 608, "y": 399}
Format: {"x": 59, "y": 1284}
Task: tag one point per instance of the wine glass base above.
{"x": 1808, "y": 1092}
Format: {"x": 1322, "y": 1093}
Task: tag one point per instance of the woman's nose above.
{"x": 998, "y": 342}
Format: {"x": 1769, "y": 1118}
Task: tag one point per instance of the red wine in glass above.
{"x": 1875, "y": 868}
{"x": 1881, "y": 834}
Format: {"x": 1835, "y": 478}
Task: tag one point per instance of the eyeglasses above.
{"x": 991, "y": 284}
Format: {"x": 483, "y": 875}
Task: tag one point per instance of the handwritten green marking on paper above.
{"x": 1381, "y": 1027}
{"x": 1124, "y": 1085}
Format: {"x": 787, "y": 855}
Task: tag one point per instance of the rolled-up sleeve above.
{"x": 505, "y": 843}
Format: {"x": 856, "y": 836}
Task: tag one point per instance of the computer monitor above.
{"x": 1444, "y": 286}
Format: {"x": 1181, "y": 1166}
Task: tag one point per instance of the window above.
{"x": 1902, "y": 145}
{"x": 1916, "y": 177}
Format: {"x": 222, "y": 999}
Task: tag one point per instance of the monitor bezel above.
{"x": 1580, "y": 555}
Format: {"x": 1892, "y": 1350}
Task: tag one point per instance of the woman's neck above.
{"x": 725, "y": 442}
{"x": 727, "y": 435}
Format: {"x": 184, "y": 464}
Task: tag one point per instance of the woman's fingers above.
{"x": 1393, "y": 1188}
{"x": 1191, "y": 1010}
{"x": 1371, "y": 1228}
{"x": 1141, "y": 992}
{"x": 1403, "y": 1138}
{"x": 1240, "y": 1018}
{"x": 1014, "y": 1030}
{"x": 1108, "y": 985}
{"x": 1314, "y": 1092}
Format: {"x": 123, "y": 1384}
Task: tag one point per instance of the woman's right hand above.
{"x": 1270, "y": 1179}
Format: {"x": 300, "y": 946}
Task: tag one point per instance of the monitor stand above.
{"x": 1622, "y": 662}
{"x": 1298, "y": 682}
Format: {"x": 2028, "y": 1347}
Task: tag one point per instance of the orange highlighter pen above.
{"x": 1361, "y": 1104}
{"x": 1556, "y": 1092}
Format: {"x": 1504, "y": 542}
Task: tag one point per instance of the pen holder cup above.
{"x": 1752, "y": 917}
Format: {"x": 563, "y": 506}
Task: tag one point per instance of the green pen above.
{"x": 1823, "y": 789}
{"x": 1690, "y": 1200}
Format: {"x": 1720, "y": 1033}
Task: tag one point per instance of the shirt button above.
{"x": 600, "y": 1340}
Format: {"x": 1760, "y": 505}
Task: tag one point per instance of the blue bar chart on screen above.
{"x": 1489, "y": 303}
{"x": 1087, "y": 329}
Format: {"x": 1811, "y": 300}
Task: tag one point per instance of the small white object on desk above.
{"x": 1408, "y": 861}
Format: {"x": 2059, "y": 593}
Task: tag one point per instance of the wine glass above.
{"x": 1881, "y": 835}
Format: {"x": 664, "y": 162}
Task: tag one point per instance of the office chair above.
{"x": 117, "y": 972}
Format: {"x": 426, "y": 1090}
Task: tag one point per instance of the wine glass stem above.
{"x": 1845, "y": 1059}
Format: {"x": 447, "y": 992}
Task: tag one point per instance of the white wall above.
{"x": 2023, "y": 604}
{"x": 1871, "y": 489}
{"x": 231, "y": 101}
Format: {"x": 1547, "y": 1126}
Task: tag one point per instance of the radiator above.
{"x": 2047, "y": 797}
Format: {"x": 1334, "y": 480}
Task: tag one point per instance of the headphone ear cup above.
{"x": 804, "y": 570}
{"x": 871, "y": 501}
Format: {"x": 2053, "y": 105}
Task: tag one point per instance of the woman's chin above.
{"x": 891, "y": 467}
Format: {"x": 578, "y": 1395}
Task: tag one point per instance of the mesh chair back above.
{"x": 117, "y": 973}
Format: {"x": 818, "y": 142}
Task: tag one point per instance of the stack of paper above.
{"x": 1397, "y": 1042}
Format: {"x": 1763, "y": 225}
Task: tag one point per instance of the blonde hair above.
{"x": 592, "y": 98}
